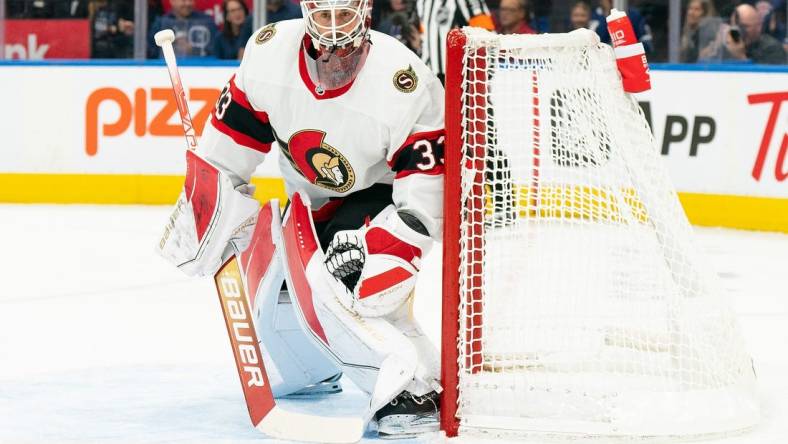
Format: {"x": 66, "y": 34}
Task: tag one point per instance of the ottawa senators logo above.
{"x": 405, "y": 80}
{"x": 266, "y": 34}
{"x": 319, "y": 162}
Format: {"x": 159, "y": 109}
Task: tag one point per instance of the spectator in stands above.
{"x": 764, "y": 7}
{"x": 542, "y": 10}
{"x": 774, "y": 21}
{"x": 229, "y": 42}
{"x": 513, "y": 18}
{"x": 580, "y": 16}
{"x": 155, "y": 9}
{"x": 112, "y": 29}
{"x": 276, "y": 11}
{"x": 194, "y": 30}
{"x": 599, "y": 24}
{"x": 747, "y": 43}
{"x": 398, "y": 19}
{"x": 702, "y": 36}
{"x": 46, "y": 9}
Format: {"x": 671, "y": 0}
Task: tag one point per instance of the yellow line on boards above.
{"x": 744, "y": 212}
{"x": 109, "y": 188}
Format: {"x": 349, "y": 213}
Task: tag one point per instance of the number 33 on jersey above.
{"x": 386, "y": 126}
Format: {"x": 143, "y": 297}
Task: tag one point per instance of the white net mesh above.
{"x": 583, "y": 305}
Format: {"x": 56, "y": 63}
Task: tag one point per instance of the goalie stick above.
{"x": 265, "y": 414}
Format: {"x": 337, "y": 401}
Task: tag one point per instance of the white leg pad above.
{"x": 428, "y": 370}
{"x": 373, "y": 352}
{"x": 293, "y": 359}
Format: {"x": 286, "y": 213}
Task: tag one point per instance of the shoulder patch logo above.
{"x": 266, "y": 34}
{"x": 318, "y": 162}
{"x": 406, "y": 80}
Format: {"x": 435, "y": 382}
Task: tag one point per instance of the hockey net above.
{"x": 574, "y": 300}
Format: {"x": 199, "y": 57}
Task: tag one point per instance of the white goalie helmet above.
{"x": 335, "y": 24}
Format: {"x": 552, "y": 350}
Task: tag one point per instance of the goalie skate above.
{"x": 408, "y": 415}
{"x": 326, "y": 387}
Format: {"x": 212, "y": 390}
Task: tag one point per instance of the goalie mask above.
{"x": 337, "y": 24}
{"x": 338, "y": 40}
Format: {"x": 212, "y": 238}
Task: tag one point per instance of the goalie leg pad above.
{"x": 296, "y": 362}
{"x": 292, "y": 358}
{"x": 373, "y": 352}
{"x": 266, "y": 415}
{"x": 428, "y": 357}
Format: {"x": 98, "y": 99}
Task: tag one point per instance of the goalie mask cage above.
{"x": 574, "y": 300}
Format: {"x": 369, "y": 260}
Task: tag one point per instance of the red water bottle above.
{"x": 630, "y": 54}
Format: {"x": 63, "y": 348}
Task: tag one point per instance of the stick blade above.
{"x": 282, "y": 424}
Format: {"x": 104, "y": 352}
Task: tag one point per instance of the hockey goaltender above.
{"x": 358, "y": 120}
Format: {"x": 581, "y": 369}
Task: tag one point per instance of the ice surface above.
{"x": 103, "y": 341}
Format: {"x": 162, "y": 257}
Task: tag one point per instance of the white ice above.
{"x": 102, "y": 341}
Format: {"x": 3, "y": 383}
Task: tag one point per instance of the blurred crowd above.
{"x": 713, "y": 31}
{"x": 748, "y": 32}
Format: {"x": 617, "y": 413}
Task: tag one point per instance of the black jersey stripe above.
{"x": 421, "y": 153}
{"x": 247, "y": 122}
{"x": 235, "y": 117}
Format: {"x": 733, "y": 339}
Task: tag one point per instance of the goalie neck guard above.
{"x": 337, "y": 24}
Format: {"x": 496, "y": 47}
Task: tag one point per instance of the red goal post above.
{"x": 451, "y": 247}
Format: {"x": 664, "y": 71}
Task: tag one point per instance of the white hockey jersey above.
{"x": 384, "y": 127}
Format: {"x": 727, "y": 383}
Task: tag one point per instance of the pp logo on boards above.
{"x": 135, "y": 111}
{"x": 704, "y": 129}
